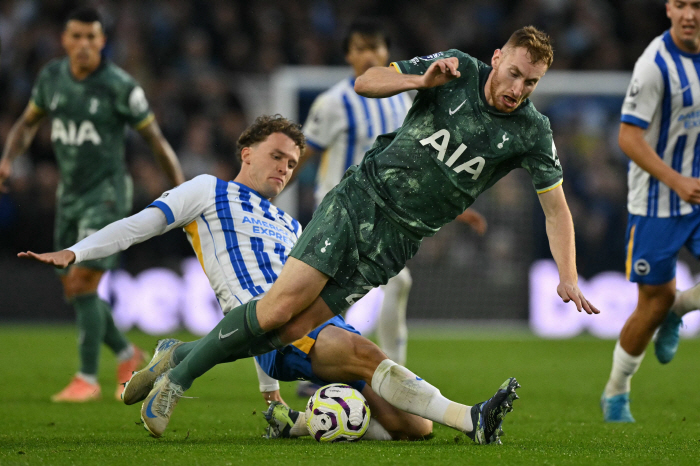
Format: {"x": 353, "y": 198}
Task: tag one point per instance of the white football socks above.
{"x": 686, "y": 301}
{"x": 392, "y": 332}
{"x": 408, "y": 392}
{"x": 299, "y": 428}
{"x": 623, "y": 368}
{"x": 89, "y": 378}
{"x": 126, "y": 354}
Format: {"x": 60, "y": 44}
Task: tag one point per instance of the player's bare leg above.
{"x": 96, "y": 326}
{"x": 345, "y": 356}
{"x": 653, "y": 304}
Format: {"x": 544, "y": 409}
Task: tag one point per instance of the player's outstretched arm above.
{"x": 560, "y": 231}
{"x": 165, "y": 155}
{"x": 59, "y": 259}
{"x": 113, "y": 238}
{"x": 18, "y": 140}
{"x": 380, "y": 81}
{"x": 633, "y": 144}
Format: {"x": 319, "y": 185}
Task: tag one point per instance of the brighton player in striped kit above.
{"x": 242, "y": 242}
{"x": 660, "y": 132}
{"x": 341, "y": 127}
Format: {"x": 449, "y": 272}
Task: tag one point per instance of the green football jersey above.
{"x": 88, "y": 129}
{"x": 452, "y": 146}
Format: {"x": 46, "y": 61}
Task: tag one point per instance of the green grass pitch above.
{"x": 556, "y": 421}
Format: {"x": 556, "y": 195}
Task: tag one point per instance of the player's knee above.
{"x": 656, "y": 300}
{"x": 80, "y": 282}
{"x": 404, "y": 279}
{"x": 421, "y": 429}
{"x": 365, "y": 354}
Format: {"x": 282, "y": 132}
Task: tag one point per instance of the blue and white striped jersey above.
{"x": 343, "y": 125}
{"x": 240, "y": 238}
{"x": 664, "y": 99}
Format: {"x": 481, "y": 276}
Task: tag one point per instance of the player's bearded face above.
{"x": 83, "y": 43}
{"x": 513, "y": 79}
{"x": 685, "y": 24}
{"x": 268, "y": 165}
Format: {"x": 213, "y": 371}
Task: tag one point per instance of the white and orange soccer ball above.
{"x": 337, "y": 413}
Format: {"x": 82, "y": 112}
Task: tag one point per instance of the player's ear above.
{"x": 245, "y": 154}
{"x": 497, "y": 55}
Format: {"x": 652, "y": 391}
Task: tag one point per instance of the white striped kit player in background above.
{"x": 341, "y": 127}
{"x": 242, "y": 242}
{"x": 660, "y": 132}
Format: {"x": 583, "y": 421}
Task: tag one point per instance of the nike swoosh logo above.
{"x": 149, "y": 413}
{"x": 684, "y": 89}
{"x": 452, "y": 112}
{"x": 154, "y": 366}
{"x": 226, "y": 335}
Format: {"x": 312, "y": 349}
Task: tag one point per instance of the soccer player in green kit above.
{"x": 89, "y": 101}
{"x": 469, "y": 125}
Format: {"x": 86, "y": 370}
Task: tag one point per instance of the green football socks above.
{"x": 95, "y": 326}
{"x": 113, "y": 338}
{"x": 237, "y": 336}
{"x": 91, "y": 330}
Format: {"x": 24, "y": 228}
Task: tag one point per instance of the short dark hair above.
{"x": 365, "y": 27}
{"x": 85, "y": 14}
{"x": 265, "y": 125}
{"x": 537, "y": 43}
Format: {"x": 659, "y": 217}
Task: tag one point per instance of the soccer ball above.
{"x": 337, "y": 413}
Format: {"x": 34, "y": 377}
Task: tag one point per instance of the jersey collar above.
{"x": 249, "y": 189}
{"x": 100, "y": 67}
{"x": 673, "y": 48}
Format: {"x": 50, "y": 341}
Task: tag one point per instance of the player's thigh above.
{"x": 693, "y": 243}
{"x": 343, "y": 356}
{"x": 400, "y": 424}
{"x": 654, "y": 301}
{"x": 296, "y": 289}
{"x": 649, "y": 260}
{"x": 304, "y": 322}
{"x": 81, "y": 280}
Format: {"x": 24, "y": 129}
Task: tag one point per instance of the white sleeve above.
{"x": 644, "y": 94}
{"x": 119, "y": 235}
{"x": 267, "y": 383}
{"x": 186, "y": 202}
{"x": 325, "y": 122}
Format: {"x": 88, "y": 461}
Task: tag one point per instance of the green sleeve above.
{"x": 38, "y": 97}
{"x": 419, "y": 65}
{"x": 542, "y": 163}
{"x": 133, "y": 106}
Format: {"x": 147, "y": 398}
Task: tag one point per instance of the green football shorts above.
{"x": 73, "y": 225}
{"x": 354, "y": 243}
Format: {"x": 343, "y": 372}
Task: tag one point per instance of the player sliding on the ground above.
{"x": 216, "y": 215}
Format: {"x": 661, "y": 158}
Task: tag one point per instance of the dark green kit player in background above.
{"x": 470, "y": 124}
{"x": 89, "y": 102}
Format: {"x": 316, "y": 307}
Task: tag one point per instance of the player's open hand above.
{"x": 59, "y": 259}
{"x": 440, "y": 72}
{"x": 570, "y": 292}
{"x": 688, "y": 189}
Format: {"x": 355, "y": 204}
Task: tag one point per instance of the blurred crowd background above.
{"x": 205, "y": 66}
